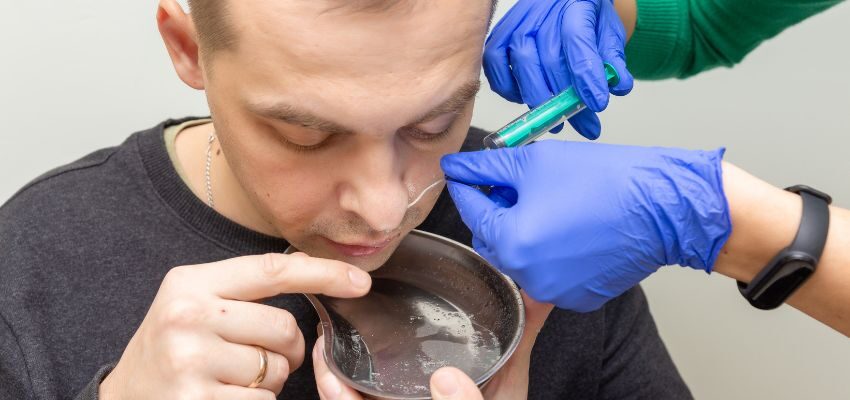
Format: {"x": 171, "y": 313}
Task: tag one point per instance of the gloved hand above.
{"x": 541, "y": 47}
{"x": 577, "y": 224}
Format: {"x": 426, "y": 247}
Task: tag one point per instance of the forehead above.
{"x": 417, "y": 49}
{"x": 311, "y": 36}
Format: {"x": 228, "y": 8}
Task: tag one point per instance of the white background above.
{"x": 79, "y": 75}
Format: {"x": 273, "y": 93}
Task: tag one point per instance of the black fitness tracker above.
{"x": 796, "y": 263}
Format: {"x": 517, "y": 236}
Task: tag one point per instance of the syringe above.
{"x": 533, "y": 124}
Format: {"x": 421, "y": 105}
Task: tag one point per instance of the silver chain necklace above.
{"x": 208, "y": 180}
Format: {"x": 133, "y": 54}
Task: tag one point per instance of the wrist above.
{"x": 690, "y": 207}
{"x": 754, "y": 205}
{"x": 627, "y": 10}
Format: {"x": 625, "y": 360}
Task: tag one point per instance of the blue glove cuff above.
{"x": 698, "y": 220}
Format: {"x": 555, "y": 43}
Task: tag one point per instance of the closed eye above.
{"x": 425, "y": 136}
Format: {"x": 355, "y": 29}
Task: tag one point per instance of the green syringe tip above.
{"x": 611, "y": 75}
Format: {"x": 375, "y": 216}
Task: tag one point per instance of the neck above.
{"x": 230, "y": 198}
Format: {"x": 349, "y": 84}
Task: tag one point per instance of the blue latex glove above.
{"x": 577, "y": 224}
{"x": 541, "y": 47}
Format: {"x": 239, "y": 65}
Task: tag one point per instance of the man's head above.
{"x": 333, "y": 114}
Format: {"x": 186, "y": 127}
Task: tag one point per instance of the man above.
{"x": 139, "y": 271}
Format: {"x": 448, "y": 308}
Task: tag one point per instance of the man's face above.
{"x": 333, "y": 120}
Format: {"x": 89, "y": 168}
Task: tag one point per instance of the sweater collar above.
{"x": 186, "y": 206}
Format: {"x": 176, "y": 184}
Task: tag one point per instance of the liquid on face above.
{"x": 427, "y": 334}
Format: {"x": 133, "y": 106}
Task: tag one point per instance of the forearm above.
{"x": 681, "y": 38}
{"x": 627, "y": 10}
{"x": 764, "y": 221}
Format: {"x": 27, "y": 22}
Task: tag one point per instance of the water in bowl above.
{"x": 428, "y": 333}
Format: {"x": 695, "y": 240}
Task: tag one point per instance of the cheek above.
{"x": 291, "y": 198}
{"x": 288, "y": 189}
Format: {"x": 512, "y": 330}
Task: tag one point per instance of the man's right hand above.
{"x": 197, "y": 340}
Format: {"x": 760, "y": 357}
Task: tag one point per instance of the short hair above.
{"x": 214, "y": 32}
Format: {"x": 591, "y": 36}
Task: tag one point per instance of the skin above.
{"x": 354, "y": 103}
{"x": 765, "y": 220}
{"x": 328, "y": 123}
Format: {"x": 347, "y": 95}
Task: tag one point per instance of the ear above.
{"x": 181, "y": 39}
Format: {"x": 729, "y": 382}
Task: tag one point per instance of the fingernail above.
{"x": 359, "y": 278}
{"x": 445, "y": 383}
{"x": 330, "y": 387}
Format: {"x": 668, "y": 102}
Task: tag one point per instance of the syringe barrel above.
{"x": 533, "y": 124}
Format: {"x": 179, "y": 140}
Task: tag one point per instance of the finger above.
{"x": 238, "y": 364}
{"x": 263, "y": 276}
{"x": 477, "y": 211}
{"x": 231, "y": 392}
{"x": 486, "y": 168}
{"x": 552, "y": 57}
{"x": 554, "y": 62}
{"x": 578, "y": 29}
{"x": 450, "y": 383}
{"x": 528, "y": 70}
{"x": 255, "y": 324}
{"x": 611, "y": 47}
{"x": 587, "y": 124}
{"x": 627, "y": 82}
{"x": 330, "y": 387}
{"x": 497, "y": 67}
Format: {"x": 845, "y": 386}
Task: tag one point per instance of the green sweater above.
{"x": 680, "y": 38}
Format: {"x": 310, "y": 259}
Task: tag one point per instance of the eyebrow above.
{"x": 458, "y": 100}
{"x": 292, "y": 115}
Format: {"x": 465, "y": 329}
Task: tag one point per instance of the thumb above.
{"x": 450, "y": 383}
{"x": 328, "y": 384}
{"x": 499, "y": 167}
{"x": 478, "y": 212}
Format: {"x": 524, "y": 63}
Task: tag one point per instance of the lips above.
{"x": 361, "y": 249}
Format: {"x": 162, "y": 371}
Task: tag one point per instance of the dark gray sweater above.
{"x": 83, "y": 250}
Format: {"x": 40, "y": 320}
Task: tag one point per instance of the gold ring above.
{"x": 264, "y": 366}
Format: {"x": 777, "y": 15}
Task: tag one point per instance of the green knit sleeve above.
{"x": 680, "y": 38}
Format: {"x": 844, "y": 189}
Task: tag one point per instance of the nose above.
{"x": 375, "y": 189}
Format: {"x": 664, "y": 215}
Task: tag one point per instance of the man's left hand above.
{"x": 510, "y": 383}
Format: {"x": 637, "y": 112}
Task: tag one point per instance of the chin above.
{"x": 371, "y": 263}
